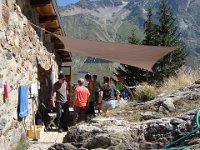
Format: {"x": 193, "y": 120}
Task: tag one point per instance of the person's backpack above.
{"x": 107, "y": 92}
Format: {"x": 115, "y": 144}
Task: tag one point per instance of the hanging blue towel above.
{"x": 23, "y": 101}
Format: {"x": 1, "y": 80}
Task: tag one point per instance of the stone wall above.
{"x": 23, "y": 60}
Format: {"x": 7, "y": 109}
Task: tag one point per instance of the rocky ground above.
{"x": 135, "y": 126}
{"x": 40, "y": 146}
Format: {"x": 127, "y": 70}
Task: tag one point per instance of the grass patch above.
{"x": 134, "y": 116}
{"x": 129, "y": 112}
{"x": 22, "y": 144}
{"x": 119, "y": 111}
{"x": 183, "y": 78}
{"x": 196, "y": 97}
{"x": 107, "y": 123}
{"x": 149, "y": 107}
{"x": 179, "y": 103}
{"x": 125, "y": 111}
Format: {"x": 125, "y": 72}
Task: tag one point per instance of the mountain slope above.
{"x": 112, "y": 20}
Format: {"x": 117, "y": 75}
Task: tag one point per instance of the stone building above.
{"x": 28, "y": 55}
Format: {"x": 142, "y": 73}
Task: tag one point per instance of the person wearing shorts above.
{"x": 107, "y": 95}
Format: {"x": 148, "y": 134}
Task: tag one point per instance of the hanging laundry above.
{"x": 34, "y": 89}
{"x": 6, "y": 92}
{"x": 23, "y": 101}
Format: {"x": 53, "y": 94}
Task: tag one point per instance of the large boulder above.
{"x": 150, "y": 115}
{"x": 65, "y": 146}
{"x": 168, "y": 104}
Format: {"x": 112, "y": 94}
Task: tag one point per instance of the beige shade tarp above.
{"x": 135, "y": 55}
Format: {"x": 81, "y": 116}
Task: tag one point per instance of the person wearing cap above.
{"x": 59, "y": 100}
{"x": 81, "y": 101}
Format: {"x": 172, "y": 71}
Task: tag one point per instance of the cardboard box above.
{"x": 39, "y": 131}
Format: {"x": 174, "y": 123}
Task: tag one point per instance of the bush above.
{"x": 145, "y": 92}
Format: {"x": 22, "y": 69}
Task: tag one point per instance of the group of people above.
{"x": 87, "y": 99}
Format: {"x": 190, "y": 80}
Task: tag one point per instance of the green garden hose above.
{"x": 167, "y": 147}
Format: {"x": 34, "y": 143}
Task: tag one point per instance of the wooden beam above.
{"x": 63, "y": 52}
{"x": 59, "y": 46}
{"x": 55, "y": 40}
{"x": 39, "y": 3}
{"x": 47, "y": 18}
{"x": 59, "y": 32}
{"x": 53, "y": 30}
{"x": 66, "y": 60}
{"x": 65, "y": 57}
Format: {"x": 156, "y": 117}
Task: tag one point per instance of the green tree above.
{"x": 132, "y": 75}
{"x": 167, "y": 35}
{"x": 133, "y": 39}
{"x": 150, "y": 31}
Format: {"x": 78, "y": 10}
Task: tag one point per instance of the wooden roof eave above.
{"x": 49, "y": 17}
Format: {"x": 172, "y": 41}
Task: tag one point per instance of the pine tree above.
{"x": 132, "y": 75}
{"x": 151, "y": 38}
{"x": 133, "y": 39}
{"x": 151, "y": 33}
{"x": 163, "y": 34}
{"x": 167, "y": 35}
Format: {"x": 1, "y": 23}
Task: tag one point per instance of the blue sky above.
{"x": 65, "y": 2}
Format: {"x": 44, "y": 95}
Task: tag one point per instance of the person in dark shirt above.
{"x": 107, "y": 95}
{"x": 59, "y": 100}
{"x": 91, "y": 89}
{"x": 97, "y": 87}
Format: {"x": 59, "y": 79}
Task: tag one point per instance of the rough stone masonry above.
{"x": 23, "y": 60}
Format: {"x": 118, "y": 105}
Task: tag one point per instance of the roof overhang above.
{"x": 50, "y": 19}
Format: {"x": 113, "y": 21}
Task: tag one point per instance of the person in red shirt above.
{"x": 81, "y": 102}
